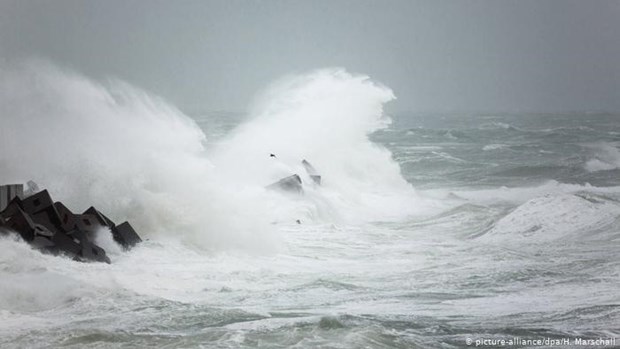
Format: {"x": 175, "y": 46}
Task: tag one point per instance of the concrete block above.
{"x": 289, "y": 184}
{"x": 21, "y": 223}
{"x": 8, "y": 193}
{"x": 101, "y": 218}
{"x": 12, "y": 208}
{"x": 37, "y": 202}
{"x": 40, "y": 230}
{"x": 89, "y": 251}
{"x": 52, "y": 227}
{"x": 65, "y": 244}
{"x": 42, "y": 243}
{"x": 93, "y": 252}
{"x": 49, "y": 218}
{"x": 31, "y": 189}
{"x": 87, "y": 223}
{"x": 309, "y": 168}
{"x": 81, "y": 236}
{"x": 312, "y": 172}
{"x": 316, "y": 179}
{"x": 125, "y": 235}
{"x": 67, "y": 218}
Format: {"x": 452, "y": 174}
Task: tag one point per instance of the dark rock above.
{"x": 288, "y": 184}
{"x": 125, "y": 235}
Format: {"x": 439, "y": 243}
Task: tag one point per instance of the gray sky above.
{"x": 436, "y": 55}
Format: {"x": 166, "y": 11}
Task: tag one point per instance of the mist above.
{"x": 516, "y": 56}
{"x": 309, "y": 174}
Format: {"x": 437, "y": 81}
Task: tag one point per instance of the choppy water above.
{"x": 515, "y": 233}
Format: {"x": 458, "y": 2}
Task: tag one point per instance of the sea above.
{"x": 428, "y": 230}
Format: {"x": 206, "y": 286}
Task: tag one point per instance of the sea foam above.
{"x": 136, "y": 157}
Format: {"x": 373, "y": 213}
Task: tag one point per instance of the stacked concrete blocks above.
{"x": 51, "y": 227}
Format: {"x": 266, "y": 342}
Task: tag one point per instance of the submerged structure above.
{"x": 289, "y": 184}
{"x": 293, "y": 183}
{"x": 51, "y": 227}
{"x": 314, "y": 175}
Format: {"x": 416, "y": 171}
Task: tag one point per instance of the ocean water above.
{"x": 428, "y": 229}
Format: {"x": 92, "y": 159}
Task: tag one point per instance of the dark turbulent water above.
{"x": 527, "y": 247}
{"x": 511, "y": 230}
{"x": 536, "y": 238}
{"x": 510, "y": 150}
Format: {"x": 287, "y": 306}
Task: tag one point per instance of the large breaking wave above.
{"x": 137, "y": 157}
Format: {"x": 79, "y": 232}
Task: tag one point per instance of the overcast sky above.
{"x": 436, "y": 55}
